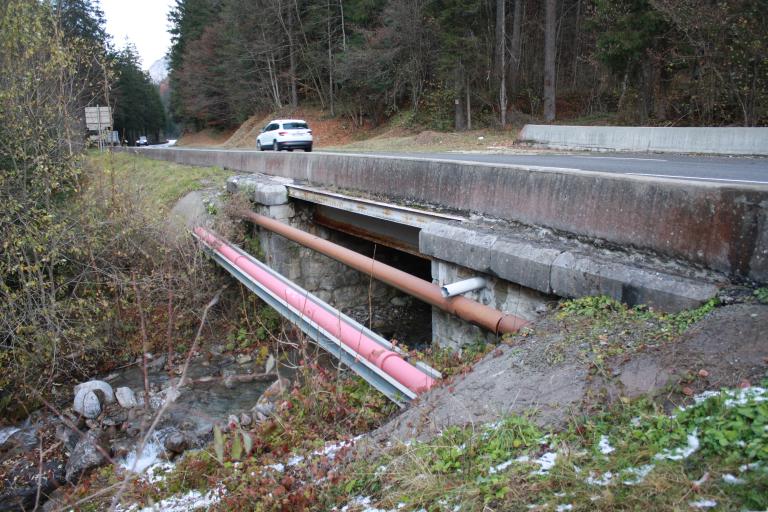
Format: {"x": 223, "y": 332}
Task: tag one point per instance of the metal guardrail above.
{"x": 377, "y": 378}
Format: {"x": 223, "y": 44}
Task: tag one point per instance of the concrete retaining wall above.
{"x": 724, "y": 228}
{"x": 721, "y": 141}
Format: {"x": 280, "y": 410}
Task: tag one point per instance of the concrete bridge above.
{"x": 534, "y": 233}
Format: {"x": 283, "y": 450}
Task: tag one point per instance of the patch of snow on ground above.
{"x": 156, "y": 472}
{"x": 279, "y": 467}
{"x": 564, "y": 507}
{"x": 545, "y": 462}
{"x": 750, "y": 467}
{"x": 680, "y": 453}
{"x": 745, "y": 395}
{"x": 605, "y": 446}
{"x": 500, "y": 467}
{"x": 604, "y": 479}
{"x": 139, "y": 462}
{"x": 733, "y": 480}
{"x": 364, "y": 502}
{"x": 639, "y": 474}
{"x": 702, "y": 504}
{"x": 193, "y": 500}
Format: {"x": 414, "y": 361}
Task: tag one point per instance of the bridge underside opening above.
{"x": 384, "y": 309}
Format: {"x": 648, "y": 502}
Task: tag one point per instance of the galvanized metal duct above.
{"x": 369, "y": 355}
{"x": 469, "y": 310}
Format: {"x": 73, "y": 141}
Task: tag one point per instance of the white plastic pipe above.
{"x": 461, "y": 287}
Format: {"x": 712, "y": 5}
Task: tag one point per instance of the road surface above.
{"x": 700, "y": 168}
{"x": 714, "y": 169}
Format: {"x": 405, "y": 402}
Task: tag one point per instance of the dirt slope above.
{"x": 728, "y": 347}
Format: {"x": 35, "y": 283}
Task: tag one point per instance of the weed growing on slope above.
{"x": 634, "y": 456}
{"x": 600, "y": 327}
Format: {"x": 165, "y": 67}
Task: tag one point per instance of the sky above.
{"x": 143, "y": 22}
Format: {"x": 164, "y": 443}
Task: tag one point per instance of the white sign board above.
{"x": 98, "y": 118}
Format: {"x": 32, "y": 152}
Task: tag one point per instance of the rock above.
{"x": 270, "y": 364}
{"x": 175, "y": 441}
{"x": 67, "y": 436}
{"x": 245, "y": 420}
{"x": 85, "y": 456}
{"x": 120, "y": 448}
{"x": 265, "y": 406}
{"x": 126, "y": 398}
{"x": 216, "y": 350}
{"x": 156, "y": 363}
{"x": 20, "y": 441}
{"x": 97, "y": 385}
{"x": 114, "y": 415}
{"x": 57, "y": 500}
{"x": 18, "y": 490}
{"x": 244, "y": 359}
{"x": 87, "y": 403}
{"x": 398, "y": 301}
{"x": 233, "y": 421}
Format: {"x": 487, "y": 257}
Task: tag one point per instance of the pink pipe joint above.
{"x": 388, "y": 361}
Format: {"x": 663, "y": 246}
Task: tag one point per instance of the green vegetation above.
{"x": 443, "y": 64}
{"x": 630, "y": 457}
{"x": 603, "y": 327}
{"x": 156, "y": 181}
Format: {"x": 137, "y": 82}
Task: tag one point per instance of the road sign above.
{"x": 97, "y": 118}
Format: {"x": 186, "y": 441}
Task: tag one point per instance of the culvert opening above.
{"x": 386, "y": 310}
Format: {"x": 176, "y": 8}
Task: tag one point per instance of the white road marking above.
{"x": 697, "y": 178}
{"x": 623, "y": 158}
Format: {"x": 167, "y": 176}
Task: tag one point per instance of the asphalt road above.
{"x": 715, "y": 169}
{"x": 744, "y": 170}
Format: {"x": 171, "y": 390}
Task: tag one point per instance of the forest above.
{"x": 458, "y": 64}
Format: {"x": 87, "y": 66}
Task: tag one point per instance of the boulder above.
{"x": 87, "y": 403}
{"x": 97, "y": 385}
{"x": 86, "y": 455}
{"x": 126, "y": 398}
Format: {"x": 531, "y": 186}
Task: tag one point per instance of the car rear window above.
{"x": 295, "y": 126}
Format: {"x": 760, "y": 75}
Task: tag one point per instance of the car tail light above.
{"x": 282, "y": 134}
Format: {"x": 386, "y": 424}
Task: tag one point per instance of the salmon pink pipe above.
{"x": 390, "y": 362}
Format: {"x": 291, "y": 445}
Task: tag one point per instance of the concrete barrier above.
{"x": 720, "y": 141}
{"x": 719, "y": 227}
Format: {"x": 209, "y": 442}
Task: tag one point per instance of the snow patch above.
{"x": 602, "y": 480}
{"x": 605, "y": 446}
{"x": 733, "y": 480}
{"x": 193, "y": 500}
{"x": 545, "y": 462}
{"x": 702, "y": 504}
{"x": 564, "y": 507}
{"x": 639, "y": 474}
{"x": 680, "y": 453}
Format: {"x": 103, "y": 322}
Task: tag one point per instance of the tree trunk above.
{"x": 330, "y": 63}
{"x": 458, "y": 111}
{"x": 292, "y": 61}
{"x": 549, "y": 60}
{"x": 517, "y": 23}
{"x": 501, "y": 53}
{"x": 469, "y": 106}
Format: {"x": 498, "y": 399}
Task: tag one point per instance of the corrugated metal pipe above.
{"x": 388, "y": 361}
{"x": 467, "y": 309}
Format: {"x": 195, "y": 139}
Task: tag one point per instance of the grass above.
{"x": 601, "y": 327}
{"x": 630, "y": 457}
{"x": 163, "y": 183}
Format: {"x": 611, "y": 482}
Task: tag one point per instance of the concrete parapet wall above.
{"x": 723, "y": 228}
{"x": 720, "y": 141}
{"x": 566, "y": 269}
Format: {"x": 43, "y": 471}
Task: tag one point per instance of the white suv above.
{"x": 287, "y": 134}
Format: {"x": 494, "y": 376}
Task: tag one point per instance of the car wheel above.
{"x": 258, "y": 145}
{"x": 308, "y": 149}
{"x": 290, "y": 150}
{"x": 275, "y": 146}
